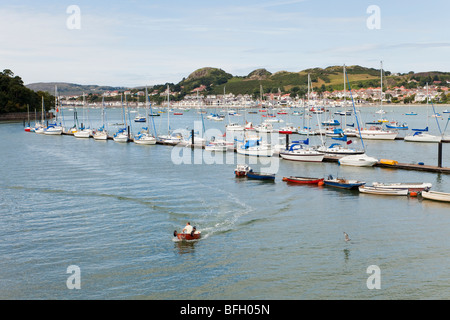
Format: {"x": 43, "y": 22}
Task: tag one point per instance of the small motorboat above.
{"x": 303, "y": 180}
{"x": 358, "y": 160}
{"x": 343, "y": 183}
{"x": 194, "y": 235}
{"x": 383, "y": 191}
{"x": 242, "y": 170}
{"x": 397, "y": 125}
{"x": 140, "y": 119}
{"x": 260, "y": 176}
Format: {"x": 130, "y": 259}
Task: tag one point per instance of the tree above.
{"x": 14, "y": 96}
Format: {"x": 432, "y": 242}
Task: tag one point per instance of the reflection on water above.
{"x": 346, "y": 255}
{"x": 185, "y": 246}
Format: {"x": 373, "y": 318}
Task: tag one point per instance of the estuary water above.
{"x": 110, "y": 209}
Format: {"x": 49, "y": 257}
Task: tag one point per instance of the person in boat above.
{"x": 188, "y": 229}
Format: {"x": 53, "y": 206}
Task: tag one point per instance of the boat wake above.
{"x": 220, "y": 213}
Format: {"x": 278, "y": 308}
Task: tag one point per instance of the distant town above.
{"x": 364, "y": 96}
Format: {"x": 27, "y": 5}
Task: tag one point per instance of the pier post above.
{"x": 128, "y": 132}
{"x": 440, "y": 155}
{"x": 192, "y": 138}
{"x": 287, "y": 141}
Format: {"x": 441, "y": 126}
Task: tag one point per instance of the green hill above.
{"x": 330, "y": 79}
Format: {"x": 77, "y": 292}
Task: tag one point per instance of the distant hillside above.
{"x": 69, "y": 89}
{"x": 215, "y": 81}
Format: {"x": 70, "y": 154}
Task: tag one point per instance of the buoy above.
{"x": 413, "y": 194}
{"x": 321, "y": 183}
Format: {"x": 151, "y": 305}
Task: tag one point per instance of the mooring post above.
{"x": 192, "y": 138}
{"x": 287, "y": 141}
{"x": 440, "y": 155}
{"x": 128, "y": 128}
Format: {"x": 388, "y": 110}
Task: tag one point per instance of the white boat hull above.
{"x": 260, "y": 151}
{"x": 437, "y": 196}
{"x": 145, "y": 141}
{"x": 234, "y": 128}
{"x": 100, "y": 136}
{"x": 170, "y": 139}
{"x": 378, "y": 135}
{"x": 383, "y": 191}
{"x": 121, "y": 138}
{"x": 339, "y": 151}
{"x": 216, "y": 148}
{"x": 361, "y": 160}
{"x": 82, "y": 134}
{"x": 53, "y": 131}
{"x": 423, "y": 137}
{"x": 411, "y": 186}
{"x": 303, "y": 155}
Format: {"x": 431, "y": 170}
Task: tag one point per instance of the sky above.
{"x": 133, "y": 43}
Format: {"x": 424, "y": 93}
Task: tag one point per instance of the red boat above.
{"x": 285, "y": 132}
{"x": 303, "y": 180}
{"x": 177, "y": 114}
{"x": 242, "y": 170}
{"x": 194, "y": 235}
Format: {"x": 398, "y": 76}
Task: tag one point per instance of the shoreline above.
{"x": 21, "y": 116}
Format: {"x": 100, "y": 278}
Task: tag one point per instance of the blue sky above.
{"x": 132, "y": 43}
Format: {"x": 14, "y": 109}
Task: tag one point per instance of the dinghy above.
{"x": 437, "y": 196}
{"x": 383, "y": 191}
{"x": 194, "y": 235}
{"x": 303, "y": 180}
{"x": 343, "y": 183}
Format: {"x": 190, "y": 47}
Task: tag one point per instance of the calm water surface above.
{"x": 111, "y": 209}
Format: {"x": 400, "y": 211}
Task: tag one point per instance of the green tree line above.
{"x": 15, "y": 97}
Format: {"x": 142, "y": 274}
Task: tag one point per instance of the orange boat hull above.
{"x": 188, "y": 236}
{"x": 303, "y": 181}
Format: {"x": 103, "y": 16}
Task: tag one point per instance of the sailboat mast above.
{"x": 42, "y": 112}
{"x": 428, "y": 99}
{"x": 56, "y": 104}
{"x": 146, "y": 111}
{"x": 168, "y": 109}
{"x": 381, "y": 89}
{"x": 345, "y": 102}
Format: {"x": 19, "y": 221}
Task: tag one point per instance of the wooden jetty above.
{"x": 401, "y": 166}
{"x": 335, "y": 159}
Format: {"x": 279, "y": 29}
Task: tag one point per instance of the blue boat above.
{"x": 374, "y": 123}
{"x": 343, "y": 183}
{"x": 331, "y": 123}
{"x": 396, "y": 125}
{"x": 260, "y": 176}
{"x": 421, "y": 130}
